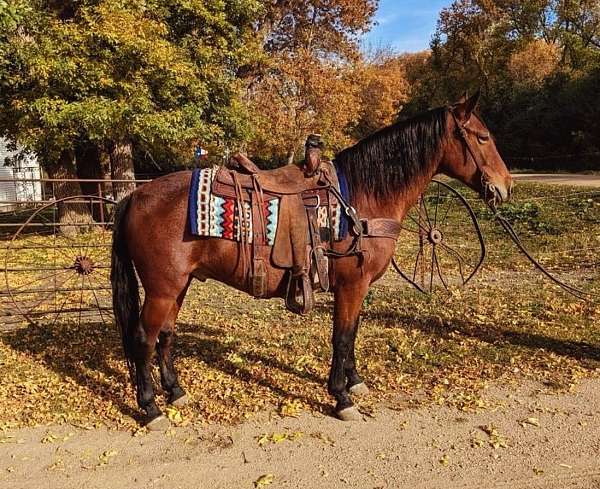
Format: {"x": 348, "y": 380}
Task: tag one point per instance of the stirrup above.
{"x": 299, "y": 285}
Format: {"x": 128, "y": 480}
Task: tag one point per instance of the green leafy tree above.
{"x": 115, "y": 75}
{"x": 535, "y": 60}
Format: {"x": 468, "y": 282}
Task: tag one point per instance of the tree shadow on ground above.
{"x": 78, "y": 353}
{"x": 584, "y": 352}
{"x": 84, "y": 351}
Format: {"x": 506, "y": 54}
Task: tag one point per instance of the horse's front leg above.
{"x": 348, "y": 303}
{"x": 354, "y": 382}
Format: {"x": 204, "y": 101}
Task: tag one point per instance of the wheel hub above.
{"x": 435, "y": 236}
{"x": 83, "y": 265}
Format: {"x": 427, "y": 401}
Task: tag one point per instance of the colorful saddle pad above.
{"x": 218, "y": 217}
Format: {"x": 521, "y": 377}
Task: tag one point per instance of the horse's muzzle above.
{"x": 500, "y": 193}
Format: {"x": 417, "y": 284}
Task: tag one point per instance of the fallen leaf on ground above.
{"x": 531, "y": 421}
{"x": 174, "y": 414}
{"x": 264, "y": 480}
{"x": 106, "y": 456}
{"x": 266, "y": 438}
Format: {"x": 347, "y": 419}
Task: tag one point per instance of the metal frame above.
{"x": 78, "y": 261}
{"x": 428, "y": 231}
{"x": 16, "y": 298}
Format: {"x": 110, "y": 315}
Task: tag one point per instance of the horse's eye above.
{"x": 483, "y": 137}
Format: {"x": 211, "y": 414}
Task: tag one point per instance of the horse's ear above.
{"x": 467, "y": 105}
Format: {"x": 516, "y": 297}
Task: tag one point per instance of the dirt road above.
{"x": 572, "y": 179}
{"x": 526, "y": 437}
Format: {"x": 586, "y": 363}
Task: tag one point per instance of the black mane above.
{"x": 387, "y": 161}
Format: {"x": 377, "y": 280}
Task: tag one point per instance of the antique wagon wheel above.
{"x": 60, "y": 272}
{"x": 441, "y": 244}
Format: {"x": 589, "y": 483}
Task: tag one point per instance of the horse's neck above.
{"x": 396, "y": 207}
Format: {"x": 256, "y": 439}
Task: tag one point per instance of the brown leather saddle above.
{"x": 299, "y": 245}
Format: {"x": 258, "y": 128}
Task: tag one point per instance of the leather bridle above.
{"x": 463, "y": 132}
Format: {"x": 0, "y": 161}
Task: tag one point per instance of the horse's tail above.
{"x": 126, "y": 297}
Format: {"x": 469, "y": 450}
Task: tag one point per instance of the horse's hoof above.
{"x": 180, "y": 401}
{"x": 160, "y": 423}
{"x": 349, "y": 414}
{"x": 359, "y": 389}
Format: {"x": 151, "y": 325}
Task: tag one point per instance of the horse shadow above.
{"x": 91, "y": 355}
{"x": 207, "y": 344}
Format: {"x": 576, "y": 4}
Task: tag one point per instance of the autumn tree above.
{"x": 532, "y": 65}
{"x": 300, "y": 97}
{"x": 306, "y": 83}
{"x": 384, "y": 89}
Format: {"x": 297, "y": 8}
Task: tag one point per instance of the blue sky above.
{"x": 405, "y": 25}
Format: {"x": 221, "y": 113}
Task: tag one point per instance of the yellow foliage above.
{"x": 534, "y": 63}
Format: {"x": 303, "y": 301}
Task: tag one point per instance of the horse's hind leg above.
{"x": 156, "y": 313}
{"x": 164, "y": 348}
{"x": 168, "y": 375}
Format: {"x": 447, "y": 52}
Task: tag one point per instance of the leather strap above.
{"x": 381, "y": 228}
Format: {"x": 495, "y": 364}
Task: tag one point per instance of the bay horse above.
{"x": 386, "y": 173}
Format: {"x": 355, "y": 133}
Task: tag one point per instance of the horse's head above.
{"x": 471, "y": 155}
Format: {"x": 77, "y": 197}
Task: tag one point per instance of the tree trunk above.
{"x": 90, "y": 166}
{"x": 87, "y": 159}
{"x": 68, "y": 212}
{"x": 121, "y": 161}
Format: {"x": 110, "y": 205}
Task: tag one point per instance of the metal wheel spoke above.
{"x": 457, "y": 254}
{"x": 450, "y": 205}
{"x": 439, "y": 270}
{"x": 418, "y": 223}
{"x": 47, "y": 296}
{"x": 426, "y": 212}
{"x": 458, "y": 258}
{"x": 432, "y": 268}
{"x": 416, "y": 265}
{"x": 413, "y": 231}
{"x": 66, "y": 290}
{"x": 81, "y": 298}
{"x": 52, "y": 275}
{"x": 437, "y": 204}
{"x": 96, "y": 287}
{"x": 60, "y": 310}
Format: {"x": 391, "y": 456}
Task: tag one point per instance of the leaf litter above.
{"x": 237, "y": 356}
